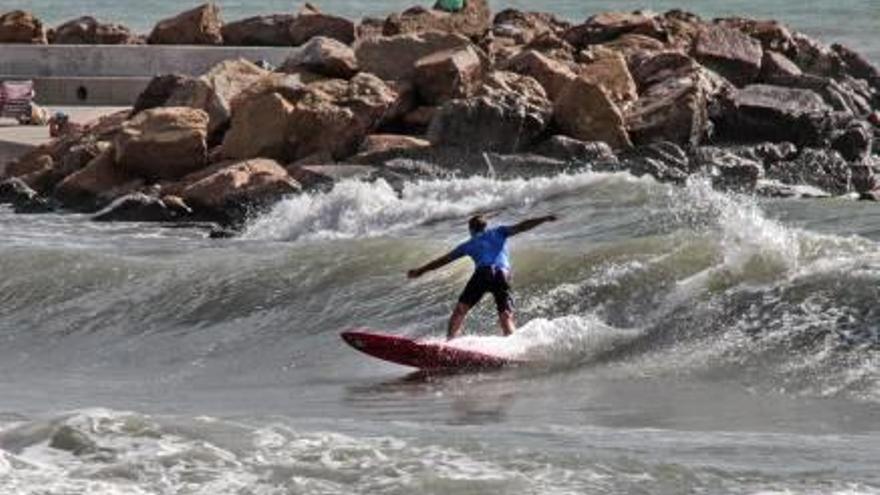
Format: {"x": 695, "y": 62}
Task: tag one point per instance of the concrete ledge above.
{"x": 34, "y": 61}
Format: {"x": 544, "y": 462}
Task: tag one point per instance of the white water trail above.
{"x": 355, "y": 209}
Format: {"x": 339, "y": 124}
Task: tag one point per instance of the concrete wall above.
{"x": 124, "y": 60}
{"x": 113, "y": 74}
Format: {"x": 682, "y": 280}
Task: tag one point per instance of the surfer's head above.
{"x": 477, "y": 224}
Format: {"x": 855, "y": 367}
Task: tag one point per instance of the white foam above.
{"x": 363, "y": 209}
{"x": 551, "y": 342}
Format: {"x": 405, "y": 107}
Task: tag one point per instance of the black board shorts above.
{"x": 489, "y": 279}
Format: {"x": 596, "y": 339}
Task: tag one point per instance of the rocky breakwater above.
{"x": 749, "y": 104}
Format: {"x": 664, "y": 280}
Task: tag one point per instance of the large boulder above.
{"x": 585, "y": 111}
{"x": 674, "y": 110}
{"x": 324, "y": 56}
{"x": 163, "y": 143}
{"x": 394, "y": 57}
{"x": 455, "y": 73}
{"x": 263, "y": 30}
{"x": 19, "y": 26}
{"x": 159, "y": 90}
{"x": 678, "y": 98}
{"x": 96, "y": 185}
{"x": 608, "y": 69}
{"x": 608, "y": 26}
{"x": 214, "y": 91}
{"x": 552, "y": 74}
{"x": 523, "y": 27}
{"x": 499, "y": 120}
{"x": 199, "y": 26}
{"x": 334, "y": 116}
{"x": 775, "y": 113}
{"x": 471, "y": 21}
{"x": 239, "y": 185}
{"x": 729, "y": 52}
{"x": 259, "y": 129}
{"x": 311, "y": 23}
{"x": 89, "y": 31}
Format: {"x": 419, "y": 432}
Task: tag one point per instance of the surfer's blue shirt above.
{"x": 487, "y": 249}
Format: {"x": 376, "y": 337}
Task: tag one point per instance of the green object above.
{"x": 450, "y": 5}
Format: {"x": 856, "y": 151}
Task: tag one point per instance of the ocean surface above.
{"x": 852, "y": 22}
{"x": 679, "y": 341}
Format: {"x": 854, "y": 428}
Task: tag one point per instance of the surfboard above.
{"x": 422, "y": 355}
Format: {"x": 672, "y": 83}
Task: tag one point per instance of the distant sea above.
{"x": 855, "y": 23}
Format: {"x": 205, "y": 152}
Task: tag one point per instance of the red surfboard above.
{"x": 421, "y": 355}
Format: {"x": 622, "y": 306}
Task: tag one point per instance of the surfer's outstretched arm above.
{"x": 433, "y": 265}
{"x": 530, "y": 223}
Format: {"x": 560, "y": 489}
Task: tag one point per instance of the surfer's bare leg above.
{"x": 507, "y": 322}
{"x": 456, "y": 320}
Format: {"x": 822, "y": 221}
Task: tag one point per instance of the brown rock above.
{"x": 673, "y": 110}
{"x": 88, "y": 31}
{"x": 609, "y": 70}
{"x": 731, "y": 53}
{"x": 159, "y": 91}
{"x": 654, "y": 68}
{"x": 324, "y": 56}
{"x": 370, "y": 27}
{"x": 394, "y": 57}
{"x": 498, "y": 120}
{"x": 309, "y": 24}
{"x": 214, "y": 91}
{"x": 96, "y": 185}
{"x": 199, "y": 26}
{"x": 240, "y": 184}
{"x": 335, "y": 116}
{"x": 776, "y": 66}
{"x": 608, "y": 26}
{"x": 634, "y": 44}
{"x": 264, "y": 30}
{"x": 523, "y": 27}
{"x": 455, "y": 73}
{"x": 378, "y": 143}
{"x": 551, "y": 74}
{"x": 35, "y": 161}
{"x": 21, "y": 27}
{"x": 771, "y": 34}
{"x": 419, "y": 118}
{"x": 681, "y": 28}
{"x": 815, "y": 58}
{"x": 165, "y": 143}
{"x": 472, "y": 21}
{"x": 585, "y": 111}
{"x": 500, "y": 83}
{"x": 259, "y": 129}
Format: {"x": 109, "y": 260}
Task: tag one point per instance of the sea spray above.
{"x": 355, "y": 209}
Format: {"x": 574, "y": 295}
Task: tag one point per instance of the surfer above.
{"x": 488, "y": 248}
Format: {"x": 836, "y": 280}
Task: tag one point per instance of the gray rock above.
{"x": 503, "y": 123}
{"x": 855, "y": 141}
{"x": 821, "y": 168}
{"x": 569, "y": 149}
{"x": 763, "y": 112}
